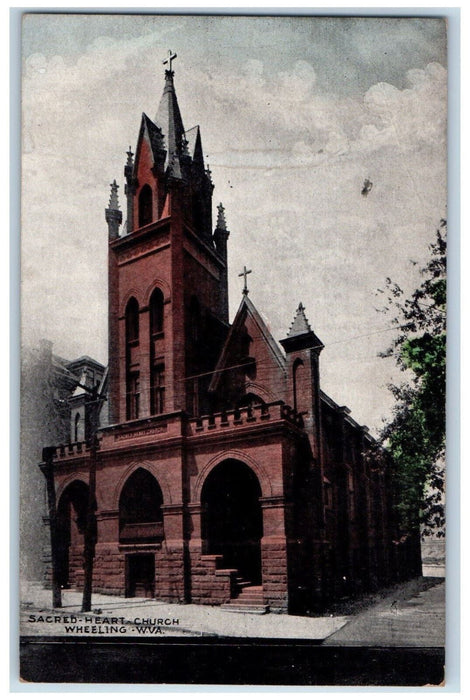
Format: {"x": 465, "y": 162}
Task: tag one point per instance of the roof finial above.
{"x": 113, "y": 198}
{"x": 129, "y": 155}
{"x": 171, "y": 57}
{"x": 244, "y": 274}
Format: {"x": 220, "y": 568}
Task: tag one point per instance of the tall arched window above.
{"x": 132, "y": 320}
{"x": 157, "y": 360}
{"x": 76, "y": 426}
{"x": 156, "y": 312}
{"x": 297, "y": 377}
{"x": 132, "y": 366}
{"x": 145, "y": 205}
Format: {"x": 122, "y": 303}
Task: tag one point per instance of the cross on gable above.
{"x": 245, "y": 274}
{"x": 171, "y": 57}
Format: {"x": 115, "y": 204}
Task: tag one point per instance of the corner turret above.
{"x": 303, "y": 349}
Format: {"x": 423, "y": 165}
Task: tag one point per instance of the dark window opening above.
{"x": 145, "y": 206}
{"x": 71, "y": 523}
{"x": 250, "y": 400}
{"x": 132, "y": 321}
{"x": 75, "y": 429}
{"x": 156, "y": 312}
{"x": 140, "y": 509}
{"x": 297, "y": 375}
{"x": 133, "y": 395}
{"x": 158, "y": 389}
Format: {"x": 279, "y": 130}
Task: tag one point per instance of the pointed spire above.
{"x": 113, "y": 198}
{"x": 299, "y": 324}
{"x": 221, "y": 223}
{"x": 168, "y": 116}
{"x": 300, "y": 335}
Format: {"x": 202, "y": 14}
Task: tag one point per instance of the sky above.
{"x": 295, "y": 113}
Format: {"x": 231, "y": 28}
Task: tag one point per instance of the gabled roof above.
{"x": 193, "y": 138}
{"x": 247, "y": 306}
{"x": 154, "y": 136}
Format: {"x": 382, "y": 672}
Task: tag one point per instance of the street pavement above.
{"x": 410, "y": 614}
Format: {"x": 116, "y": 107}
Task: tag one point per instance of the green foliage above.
{"x": 415, "y": 436}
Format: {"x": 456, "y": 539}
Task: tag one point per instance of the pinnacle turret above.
{"x": 113, "y": 214}
{"x": 221, "y": 233}
{"x": 113, "y": 198}
{"x": 221, "y": 223}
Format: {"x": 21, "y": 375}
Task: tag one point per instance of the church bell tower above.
{"x": 167, "y": 272}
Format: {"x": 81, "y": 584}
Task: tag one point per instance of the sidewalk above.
{"x": 411, "y": 614}
{"x": 151, "y": 618}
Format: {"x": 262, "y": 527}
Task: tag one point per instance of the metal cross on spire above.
{"x": 171, "y": 57}
{"x": 245, "y": 274}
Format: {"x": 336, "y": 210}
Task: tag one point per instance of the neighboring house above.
{"x": 53, "y": 412}
{"x": 226, "y": 475}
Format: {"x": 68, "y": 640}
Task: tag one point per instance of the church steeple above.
{"x": 168, "y": 118}
{"x": 168, "y": 298}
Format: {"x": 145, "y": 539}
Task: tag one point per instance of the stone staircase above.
{"x": 247, "y": 599}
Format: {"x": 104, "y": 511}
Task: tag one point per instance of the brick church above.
{"x": 225, "y": 475}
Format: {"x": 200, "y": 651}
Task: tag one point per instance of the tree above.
{"x": 415, "y": 436}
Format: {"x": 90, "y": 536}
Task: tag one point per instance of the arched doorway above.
{"x": 71, "y": 522}
{"x": 232, "y": 521}
{"x": 140, "y": 524}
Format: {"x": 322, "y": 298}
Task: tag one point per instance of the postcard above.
{"x": 233, "y": 289}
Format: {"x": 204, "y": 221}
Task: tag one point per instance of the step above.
{"x": 250, "y": 609}
{"x": 248, "y": 592}
{"x": 248, "y": 600}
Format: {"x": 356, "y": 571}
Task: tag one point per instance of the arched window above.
{"x": 145, "y": 206}
{"x": 71, "y": 524}
{"x": 156, "y": 312}
{"x": 140, "y": 508}
{"x": 250, "y": 400}
{"x": 157, "y": 360}
{"x": 75, "y": 427}
{"x": 157, "y": 394}
{"x": 132, "y": 320}
{"x": 297, "y": 376}
{"x": 132, "y": 365}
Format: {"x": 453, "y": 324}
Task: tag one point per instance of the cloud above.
{"x": 288, "y": 161}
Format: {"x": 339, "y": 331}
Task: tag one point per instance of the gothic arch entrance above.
{"x": 71, "y": 522}
{"x": 232, "y": 520}
{"x": 140, "y": 528}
